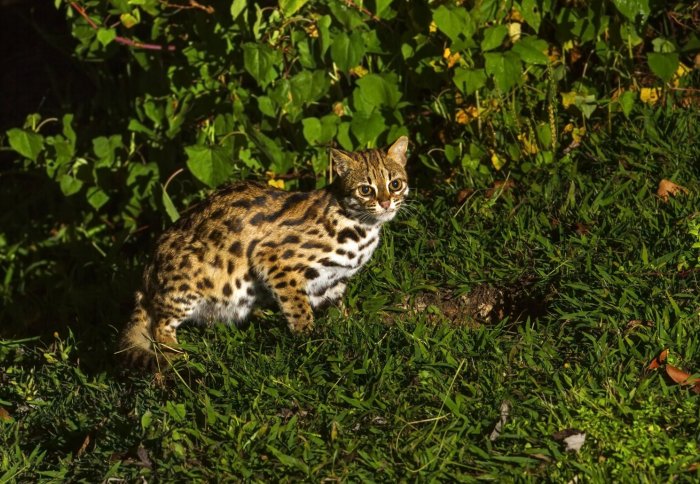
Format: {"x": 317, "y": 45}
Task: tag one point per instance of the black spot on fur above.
{"x": 238, "y": 283}
{"x": 215, "y": 236}
{"x": 311, "y": 273}
{"x": 236, "y": 249}
{"x": 281, "y": 285}
{"x": 257, "y": 219}
{"x": 184, "y": 287}
{"x": 251, "y": 248}
{"x": 230, "y": 267}
{"x": 241, "y": 204}
{"x": 347, "y": 233}
{"x": 217, "y": 214}
{"x": 227, "y": 290}
{"x": 288, "y": 254}
{"x": 235, "y": 225}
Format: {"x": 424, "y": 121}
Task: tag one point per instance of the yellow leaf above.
{"x": 464, "y": 115}
{"x": 451, "y": 58}
{"x": 649, "y": 95}
{"x": 529, "y": 146}
{"x": 568, "y": 98}
{"x": 276, "y": 183}
{"x": 496, "y": 161}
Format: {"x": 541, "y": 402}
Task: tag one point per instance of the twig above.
{"x": 119, "y": 39}
{"x": 352, "y": 4}
{"x": 192, "y": 4}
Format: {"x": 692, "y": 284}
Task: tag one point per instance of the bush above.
{"x": 189, "y": 95}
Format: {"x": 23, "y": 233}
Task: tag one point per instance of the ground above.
{"x": 538, "y": 306}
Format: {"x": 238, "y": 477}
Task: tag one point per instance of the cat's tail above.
{"x": 136, "y": 340}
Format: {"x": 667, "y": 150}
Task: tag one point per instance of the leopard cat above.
{"x": 250, "y": 244}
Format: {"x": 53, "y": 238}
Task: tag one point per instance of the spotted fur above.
{"x": 250, "y": 244}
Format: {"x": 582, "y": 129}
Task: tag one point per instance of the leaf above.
{"x": 667, "y": 189}
{"x": 504, "y": 68}
{"x": 5, "y": 415}
{"x": 347, "y": 51}
{"x": 626, "y": 100}
{"x": 128, "y": 20}
{"x": 96, "y": 197}
{"x": 210, "y": 165}
{"x": 572, "y": 438}
{"x": 237, "y": 6}
{"x": 26, "y": 143}
{"x": 683, "y": 378}
{"x": 312, "y": 130}
{"x": 531, "y": 50}
{"x": 172, "y": 212}
{"x": 290, "y": 7}
{"x": 456, "y": 22}
{"x": 469, "y": 80}
{"x": 633, "y": 8}
{"x": 658, "y": 360}
{"x": 106, "y": 36}
{"x": 664, "y": 65}
{"x": 104, "y": 149}
{"x": 504, "y": 409}
{"x": 493, "y": 37}
{"x": 258, "y": 61}
{"x": 367, "y": 128}
{"x": 69, "y": 184}
{"x": 531, "y": 13}
{"x": 376, "y": 90}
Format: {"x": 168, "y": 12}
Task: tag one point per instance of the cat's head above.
{"x": 373, "y": 182}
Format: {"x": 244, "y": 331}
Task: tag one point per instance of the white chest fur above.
{"x": 355, "y": 247}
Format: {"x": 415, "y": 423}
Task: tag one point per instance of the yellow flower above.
{"x": 358, "y": 71}
{"x": 312, "y": 31}
{"x": 433, "y": 27}
{"x": 451, "y": 58}
{"x": 276, "y": 183}
{"x": 649, "y": 95}
{"x": 464, "y": 115}
{"x": 514, "y": 30}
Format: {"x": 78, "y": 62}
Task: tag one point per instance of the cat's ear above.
{"x": 342, "y": 161}
{"x": 397, "y": 151}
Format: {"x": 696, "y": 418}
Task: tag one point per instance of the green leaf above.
{"x": 104, "y": 149}
{"x": 531, "y": 50}
{"x": 367, "y": 128}
{"x": 177, "y": 411}
{"x": 319, "y": 131}
{"x": 237, "y": 6}
{"x": 347, "y": 51}
{"x": 504, "y": 68}
{"x": 454, "y": 22}
{"x": 633, "y": 8}
{"x": 626, "y": 100}
{"x": 96, "y": 197}
{"x": 290, "y": 7}
{"x": 68, "y": 129}
{"x": 312, "y": 130}
{"x": 258, "y": 61}
{"x": 69, "y": 185}
{"x": 375, "y": 90}
{"x": 469, "y": 80}
{"x": 210, "y": 165}
{"x": 493, "y": 37}
{"x": 169, "y": 208}
{"x": 26, "y": 143}
{"x": 531, "y": 13}
{"x": 663, "y": 65}
{"x": 106, "y": 36}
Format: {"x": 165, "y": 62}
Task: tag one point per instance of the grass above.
{"x": 596, "y": 273}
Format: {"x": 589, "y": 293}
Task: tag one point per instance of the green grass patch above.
{"x": 597, "y": 274}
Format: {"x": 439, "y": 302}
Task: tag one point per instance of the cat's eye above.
{"x": 395, "y": 185}
{"x": 365, "y": 190}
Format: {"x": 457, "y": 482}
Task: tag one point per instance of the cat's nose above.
{"x": 385, "y": 204}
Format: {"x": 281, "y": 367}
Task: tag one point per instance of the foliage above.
{"x": 597, "y": 266}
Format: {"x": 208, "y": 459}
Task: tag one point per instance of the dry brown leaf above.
{"x": 463, "y": 194}
{"x": 4, "y": 414}
{"x": 683, "y": 378}
{"x": 83, "y": 446}
{"x": 667, "y": 188}
{"x": 500, "y": 186}
{"x": 658, "y": 360}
